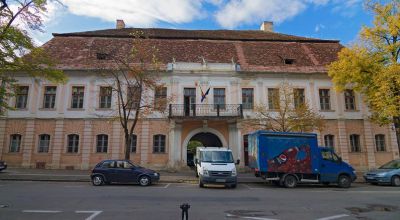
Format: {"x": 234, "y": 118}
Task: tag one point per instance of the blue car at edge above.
{"x": 122, "y": 171}
{"x": 388, "y": 173}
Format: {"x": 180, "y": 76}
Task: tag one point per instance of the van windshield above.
{"x": 217, "y": 156}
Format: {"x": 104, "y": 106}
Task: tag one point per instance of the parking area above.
{"x": 67, "y": 200}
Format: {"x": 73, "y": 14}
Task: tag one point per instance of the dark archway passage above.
{"x": 205, "y": 139}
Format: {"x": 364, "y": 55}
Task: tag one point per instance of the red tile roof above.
{"x": 253, "y": 50}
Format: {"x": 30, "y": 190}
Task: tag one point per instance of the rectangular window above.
{"x": 78, "y": 93}
{"x": 15, "y": 143}
{"x": 299, "y": 98}
{"x": 102, "y": 143}
{"x": 159, "y": 143}
{"x": 105, "y": 97}
{"x": 73, "y": 143}
{"x": 349, "y": 99}
{"x": 44, "y": 142}
{"x": 355, "y": 143}
{"x": 248, "y": 98}
{"x": 21, "y": 97}
{"x": 329, "y": 141}
{"x": 133, "y": 143}
{"x": 325, "y": 99}
{"x": 49, "y": 99}
{"x": 134, "y": 97}
{"x": 160, "y": 98}
{"x": 219, "y": 98}
{"x": 273, "y": 99}
{"x": 380, "y": 142}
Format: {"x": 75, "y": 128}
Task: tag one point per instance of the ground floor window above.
{"x": 15, "y": 143}
{"x": 73, "y": 143}
{"x": 380, "y": 142}
{"x": 133, "y": 143}
{"x": 102, "y": 143}
{"x": 159, "y": 143}
{"x": 44, "y": 143}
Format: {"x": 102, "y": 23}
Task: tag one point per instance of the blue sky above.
{"x": 326, "y": 19}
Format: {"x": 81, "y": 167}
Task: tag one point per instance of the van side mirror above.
{"x": 196, "y": 161}
{"x": 238, "y": 162}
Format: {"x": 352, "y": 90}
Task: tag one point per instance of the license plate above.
{"x": 220, "y": 180}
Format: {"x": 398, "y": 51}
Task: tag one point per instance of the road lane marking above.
{"x": 73, "y": 186}
{"x": 41, "y": 211}
{"x": 166, "y": 186}
{"x": 333, "y": 217}
{"x": 253, "y": 218}
{"x": 248, "y": 187}
{"x": 91, "y": 217}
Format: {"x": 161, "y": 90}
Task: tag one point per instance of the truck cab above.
{"x": 215, "y": 165}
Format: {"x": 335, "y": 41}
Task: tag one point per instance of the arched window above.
{"x": 44, "y": 143}
{"x": 73, "y": 143}
{"x": 133, "y": 143}
{"x": 380, "y": 142}
{"x": 102, "y": 143}
{"x": 15, "y": 143}
{"x": 329, "y": 140}
{"x": 159, "y": 143}
{"x": 355, "y": 143}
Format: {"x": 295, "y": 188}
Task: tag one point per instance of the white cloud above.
{"x": 319, "y": 27}
{"x": 239, "y": 12}
{"x": 142, "y": 13}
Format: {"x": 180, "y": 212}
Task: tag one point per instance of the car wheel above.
{"x": 201, "y": 184}
{"x": 344, "y": 181}
{"x": 290, "y": 181}
{"x": 97, "y": 180}
{"x": 396, "y": 181}
{"x": 144, "y": 181}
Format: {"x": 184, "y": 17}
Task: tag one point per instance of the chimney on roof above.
{"x": 120, "y": 24}
{"x": 267, "y": 26}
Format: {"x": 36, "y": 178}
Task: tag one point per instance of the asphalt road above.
{"x": 61, "y": 200}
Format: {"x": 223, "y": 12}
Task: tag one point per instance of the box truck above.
{"x": 289, "y": 158}
{"x": 215, "y": 165}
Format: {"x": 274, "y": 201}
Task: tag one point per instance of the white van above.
{"x": 215, "y": 165}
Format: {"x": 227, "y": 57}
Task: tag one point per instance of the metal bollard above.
{"x": 185, "y": 210}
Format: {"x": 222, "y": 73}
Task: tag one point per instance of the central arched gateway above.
{"x": 201, "y": 137}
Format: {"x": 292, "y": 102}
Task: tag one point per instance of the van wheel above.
{"x": 290, "y": 181}
{"x": 396, "y": 181}
{"x": 201, "y": 184}
{"x": 344, "y": 181}
{"x": 97, "y": 180}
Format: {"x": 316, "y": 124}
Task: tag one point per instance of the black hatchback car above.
{"x": 122, "y": 171}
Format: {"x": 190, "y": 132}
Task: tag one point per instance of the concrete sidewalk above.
{"x": 84, "y": 176}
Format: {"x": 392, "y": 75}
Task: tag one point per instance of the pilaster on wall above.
{"x": 28, "y": 143}
{"x": 87, "y": 144}
{"x": 369, "y": 144}
{"x": 144, "y": 146}
{"x": 235, "y": 141}
{"x": 57, "y": 144}
{"x": 393, "y": 142}
{"x": 2, "y": 136}
{"x": 175, "y": 136}
{"x": 344, "y": 147}
{"x": 116, "y": 140}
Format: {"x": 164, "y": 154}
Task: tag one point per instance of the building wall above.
{"x": 91, "y": 121}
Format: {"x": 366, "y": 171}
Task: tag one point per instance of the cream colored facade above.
{"x": 91, "y": 121}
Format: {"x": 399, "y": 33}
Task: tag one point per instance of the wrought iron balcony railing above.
{"x": 205, "y": 110}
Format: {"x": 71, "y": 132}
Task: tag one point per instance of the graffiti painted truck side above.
{"x": 289, "y": 158}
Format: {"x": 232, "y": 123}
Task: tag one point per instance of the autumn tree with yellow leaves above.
{"x": 371, "y": 66}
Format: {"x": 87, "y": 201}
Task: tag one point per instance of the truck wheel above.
{"x": 396, "y": 181}
{"x": 290, "y": 181}
{"x": 344, "y": 181}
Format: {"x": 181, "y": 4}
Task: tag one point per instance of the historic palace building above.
{"x": 65, "y": 126}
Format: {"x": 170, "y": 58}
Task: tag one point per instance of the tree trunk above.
{"x": 396, "y": 122}
{"x": 127, "y": 146}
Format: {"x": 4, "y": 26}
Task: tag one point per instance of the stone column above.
{"x": 117, "y": 141}
{"x": 57, "y": 143}
{"x": 145, "y": 145}
{"x": 343, "y": 143}
{"x": 29, "y": 144}
{"x": 2, "y": 136}
{"x": 87, "y": 144}
{"x": 313, "y": 93}
{"x": 369, "y": 143}
{"x": 175, "y": 145}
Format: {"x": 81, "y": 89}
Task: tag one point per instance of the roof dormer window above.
{"x": 288, "y": 61}
{"x": 101, "y": 56}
